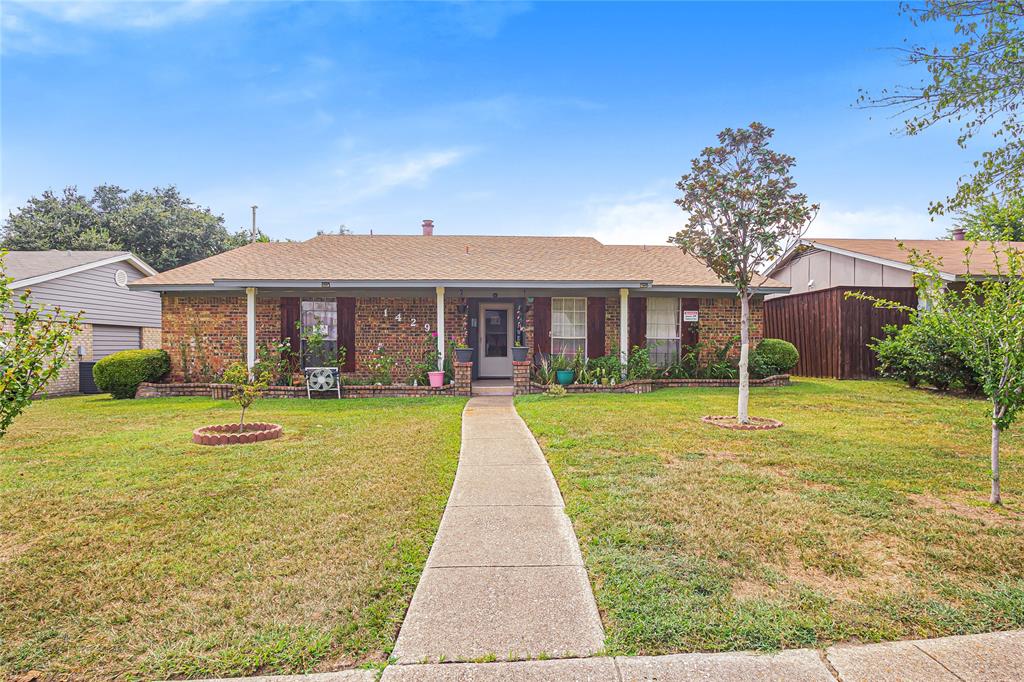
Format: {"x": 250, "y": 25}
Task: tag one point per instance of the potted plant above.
{"x": 562, "y": 368}
{"x": 520, "y": 352}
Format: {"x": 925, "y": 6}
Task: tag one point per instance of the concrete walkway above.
{"x": 994, "y": 657}
{"x": 504, "y": 579}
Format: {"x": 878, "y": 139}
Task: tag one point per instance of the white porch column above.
{"x": 250, "y": 326}
{"x": 623, "y": 329}
{"x": 440, "y": 328}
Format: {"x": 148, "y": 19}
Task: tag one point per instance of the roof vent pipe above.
{"x": 959, "y": 234}
{"x": 428, "y": 228}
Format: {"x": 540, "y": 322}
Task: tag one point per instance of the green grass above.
{"x": 864, "y": 519}
{"x": 128, "y": 552}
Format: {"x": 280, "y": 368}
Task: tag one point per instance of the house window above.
{"x": 568, "y": 326}
{"x": 663, "y": 330}
{"x": 319, "y": 320}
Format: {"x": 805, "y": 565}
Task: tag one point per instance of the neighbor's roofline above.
{"x": 130, "y": 257}
{"x": 792, "y": 252}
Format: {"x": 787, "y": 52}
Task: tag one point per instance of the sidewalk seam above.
{"x": 943, "y": 665}
{"x": 823, "y": 655}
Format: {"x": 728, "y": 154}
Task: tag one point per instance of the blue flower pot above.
{"x": 564, "y": 377}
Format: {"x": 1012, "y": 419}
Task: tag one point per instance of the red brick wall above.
{"x": 720, "y": 321}
{"x": 207, "y": 332}
{"x": 402, "y": 339}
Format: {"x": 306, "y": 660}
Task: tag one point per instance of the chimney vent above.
{"x": 428, "y": 228}
{"x": 959, "y": 234}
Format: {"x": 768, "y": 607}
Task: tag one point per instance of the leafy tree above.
{"x": 743, "y": 212}
{"x": 976, "y": 84}
{"x": 993, "y": 220}
{"x": 35, "y": 342}
{"x": 985, "y": 322}
{"x": 162, "y": 227}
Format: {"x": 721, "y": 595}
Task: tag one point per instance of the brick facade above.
{"x": 206, "y": 333}
{"x": 720, "y": 322}
{"x": 151, "y": 338}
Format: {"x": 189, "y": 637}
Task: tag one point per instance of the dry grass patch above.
{"x": 707, "y": 539}
{"x": 130, "y": 552}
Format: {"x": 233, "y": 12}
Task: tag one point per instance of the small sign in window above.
{"x": 691, "y": 316}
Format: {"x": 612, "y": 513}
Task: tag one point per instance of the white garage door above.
{"x": 107, "y": 339}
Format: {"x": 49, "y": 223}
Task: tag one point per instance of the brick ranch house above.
{"x": 393, "y": 294}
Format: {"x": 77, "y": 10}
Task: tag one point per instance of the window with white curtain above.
{"x": 568, "y": 326}
{"x": 663, "y": 330}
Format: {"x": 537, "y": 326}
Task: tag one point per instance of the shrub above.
{"x": 121, "y": 373}
{"x": 638, "y": 365}
{"x": 246, "y": 386}
{"x": 773, "y": 356}
{"x": 922, "y": 352}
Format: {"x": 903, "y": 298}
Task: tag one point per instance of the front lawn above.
{"x": 128, "y": 552}
{"x": 864, "y": 518}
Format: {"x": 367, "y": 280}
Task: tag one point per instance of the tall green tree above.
{"x": 35, "y": 344}
{"x": 162, "y": 227}
{"x": 976, "y": 83}
{"x": 743, "y": 212}
{"x": 993, "y": 220}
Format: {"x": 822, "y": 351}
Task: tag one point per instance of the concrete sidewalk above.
{"x": 994, "y": 657}
{"x": 504, "y": 578}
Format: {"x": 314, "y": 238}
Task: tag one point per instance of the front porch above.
{"x": 392, "y": 335}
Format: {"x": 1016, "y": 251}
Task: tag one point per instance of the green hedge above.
{"x": 773, "y": 356}
{"x": 121, "y": 373}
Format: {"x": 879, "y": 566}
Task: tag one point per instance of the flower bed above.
{"x": 730, "y": 422}
{"x": 228, "y": 434}
{"x": 648, "y": 385}
{"x": 223, "y": 391}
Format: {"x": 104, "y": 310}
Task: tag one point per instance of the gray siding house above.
{"x": 114, "y": 317}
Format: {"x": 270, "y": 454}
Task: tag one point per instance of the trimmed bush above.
{"x": 922, "y": 352}
{"x": 121, "y": 373}
{"x": 773, "y": 356}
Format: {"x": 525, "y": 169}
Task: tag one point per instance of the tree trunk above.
{"x": 241, "y": 422}
{"x": 742, "y": 408}
{"x": 995, "y": 499}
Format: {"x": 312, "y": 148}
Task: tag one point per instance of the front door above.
{"x": 495, "y": 343}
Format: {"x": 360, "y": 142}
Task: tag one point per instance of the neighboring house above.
{"x": 832, "y": 331}
{"x": 392, "y": 294}
{"x": 96, "y": 283}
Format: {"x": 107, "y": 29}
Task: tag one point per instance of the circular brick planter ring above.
{"x": 729, "y": 422}
{"x": 227, "y": 434}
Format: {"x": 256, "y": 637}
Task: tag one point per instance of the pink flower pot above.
{"x": 436, "y": 379}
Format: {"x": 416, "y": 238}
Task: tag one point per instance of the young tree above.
{"x": 985, "y": 321}
{"x": 246, "y": 387}
{"x": 35, "y": 344}
{"x": 743, "y": 213}
{"x": 976, "y": 84}
{"x": 162, "y": 227}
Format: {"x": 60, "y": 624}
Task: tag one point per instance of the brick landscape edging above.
{"x": 227, "y": 434}
{"x": 648, "y": 385}
{"x": 223, "y": 391}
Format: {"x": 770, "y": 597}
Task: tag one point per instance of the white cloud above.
{"x": 122, "y": 15}
{"x": 369, "y": 176}
{"x": 885, "y": 222}
{"x": 642, "y": 218}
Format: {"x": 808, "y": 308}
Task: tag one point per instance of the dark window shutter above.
{"x": 595, "y": 326}
{"x": 637, "y": 323}
{"x": 289, "y": 320}
{"x": 689, "y": 333}
{"x": 541, "y": 325}
{"x": 347, "y": 332}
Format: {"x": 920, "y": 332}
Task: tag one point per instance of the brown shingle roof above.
{"x": 951, "y": 252}
{"x": 445, "y": 258}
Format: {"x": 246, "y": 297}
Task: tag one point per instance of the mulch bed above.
{"x": 730, "y": 422}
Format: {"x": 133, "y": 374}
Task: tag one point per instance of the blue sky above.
{"x": 547, "y": 118}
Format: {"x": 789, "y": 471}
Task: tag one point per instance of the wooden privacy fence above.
{"x": 831, "y": 331}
